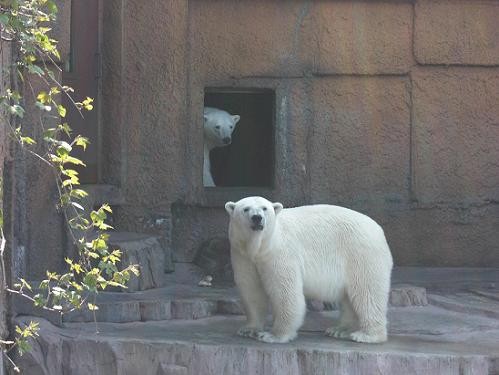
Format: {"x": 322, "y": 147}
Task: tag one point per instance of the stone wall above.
{"x": 387, "y": 107}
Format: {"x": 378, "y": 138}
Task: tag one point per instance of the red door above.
{"x": 83, "y": 76}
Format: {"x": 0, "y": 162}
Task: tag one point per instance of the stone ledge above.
{"x": 209, "y": 346}
{"x": 195, "y": 303}
{"x": 144, "y": 250}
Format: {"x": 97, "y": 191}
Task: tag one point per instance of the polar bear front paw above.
{"x": 248, "y": 331}
{"x": 272, "y": 339}
{"x": 369, "y": 338}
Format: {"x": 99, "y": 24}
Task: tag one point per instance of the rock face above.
{"x": 145, "y": 251}
{"x": 419, "y": 343}
{"x": 408, "y": 295}
{"x": 185, "y": 329}
{"x": 213, "y": 257}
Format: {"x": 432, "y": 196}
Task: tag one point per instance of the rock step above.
{"x": 474, "y": 302}
{"x": 145, "y": 251}
{"x": 200, "y": 303}
{"x": 141, "y": 311}
{"x": 210, "y": 347}
{"x": 187, "y": 302}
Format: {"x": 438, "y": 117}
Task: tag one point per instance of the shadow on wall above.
{"x": 249, "y": 160}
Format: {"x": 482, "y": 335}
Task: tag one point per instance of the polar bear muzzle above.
{"x": 256, "y": 222}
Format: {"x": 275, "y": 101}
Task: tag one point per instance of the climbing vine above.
{"x": 25, "y": 26}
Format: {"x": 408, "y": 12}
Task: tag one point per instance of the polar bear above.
{"x": 218, "y": 128}
{"x": 323, "y": 252}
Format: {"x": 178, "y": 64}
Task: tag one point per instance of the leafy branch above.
{"x": 26, "y": 25}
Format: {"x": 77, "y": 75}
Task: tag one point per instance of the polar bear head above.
{"x": 218, "y": 127}
{"x": 253, "y": 215}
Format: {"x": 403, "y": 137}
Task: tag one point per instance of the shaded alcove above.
{"x": 249, "y": 159}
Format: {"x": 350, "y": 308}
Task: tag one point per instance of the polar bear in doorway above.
{"x": 218, "y": 128}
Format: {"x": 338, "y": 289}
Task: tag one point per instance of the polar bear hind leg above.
{"x": 347, "y": 323}
{"x": 369, "y": 300}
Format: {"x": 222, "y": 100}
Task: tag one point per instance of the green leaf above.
{"x": 61, "y": 110}
{"x": 106, "y": 207}
{"x": 73, "y": 160}
{"x": 87, "y": 104}
{"x": 27, "y": 140}
{"x": 82, "y": 142}
{"x": 65, "y": 128}
{"x": 78, "y": 193}
{"x": 52, "y": 7}
{"x": 43, "y": 97}
{"x": 35, "y": 69}
{"x": 92, "y": 307}
{"x": 17, "y": 110}
{"x": 4, "y": 19}
{"x": 25, "y": 284}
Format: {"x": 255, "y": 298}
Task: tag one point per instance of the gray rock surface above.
{"x": 179, "y": 329}
{"x": 145, "y": 251}
{"x": 408, "y": 295}
{"x": 213, "y": 257}
{"x": 422, "y": 340}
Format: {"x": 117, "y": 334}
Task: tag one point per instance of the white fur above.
{"x": 218, "y": 125}
{"x": 323, "y": 252}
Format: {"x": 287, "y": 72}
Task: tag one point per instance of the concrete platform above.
{"x": 422, "y": 340}
{"x": 456, "y": 333}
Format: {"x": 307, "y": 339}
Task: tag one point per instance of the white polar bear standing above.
{"x": 218, "y": 128}
{"x": 323, "y": 252}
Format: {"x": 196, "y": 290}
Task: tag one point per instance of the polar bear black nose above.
{"x": 226, "y": 140}
{"x": 257, "y": 219}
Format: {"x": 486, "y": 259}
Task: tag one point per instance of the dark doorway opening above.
{"x": 82, "y": 74}
{"x": 249, "y": 160}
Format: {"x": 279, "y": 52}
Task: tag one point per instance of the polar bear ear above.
{"x": 205, "y": 118}
{"x": 229, "y": 207}
{"x": 236, "y": 119}
{"x": 277, "y": 207}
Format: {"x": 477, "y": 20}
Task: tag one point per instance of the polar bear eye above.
{"x": 246, "y": 209}
{"x": 264, "y": 208}
{"x": 217, "y": 127}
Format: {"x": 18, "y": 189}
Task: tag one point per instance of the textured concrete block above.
{"x": 359, "y": 149}
{"x": 153, "y": 96}
{"x": 172, "y": 370}
{"x": 62, "y": 29}
{"x": 194, "y": 225}
{"x": 144, "y": 251}
{"x": 362, "y": 37}
{"x": 213, "y": 257}
{"x": 115, "y": 312}
{"x": 193, "y": 309}
{"x": 456, "y": 128}
{"x": 155, "y": 310}
{"x": 408, "y": 295}
{"x": 255, "y": 38}
{"x": 456, "y": 32}
{"x": 442, "y": 237}
{"x": 230, "y": 306}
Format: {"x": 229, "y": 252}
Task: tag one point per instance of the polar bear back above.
{"x": 331, "y": 244}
